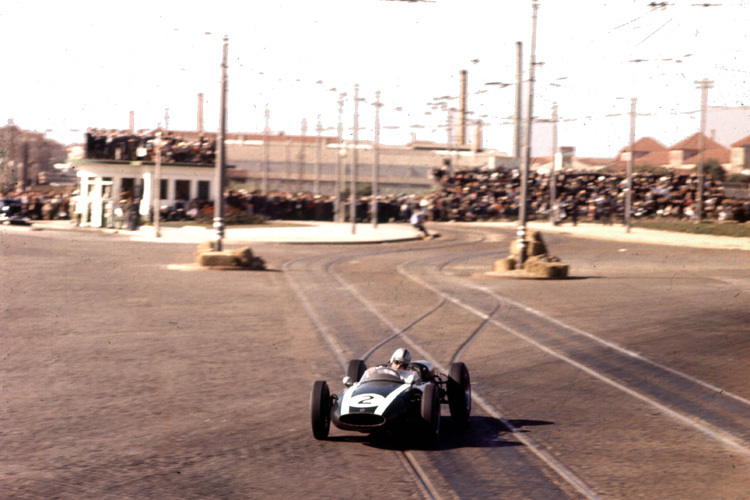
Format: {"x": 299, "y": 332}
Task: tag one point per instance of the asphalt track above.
{"x": 124, "y": 375}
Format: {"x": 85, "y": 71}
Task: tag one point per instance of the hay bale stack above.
{"x": 216, "y": 259}
{"x": 538, "y": 261}
{"x": 246, "y": 259}
{"x": 534, "y": 245}
{"x": 539, "y": 265}
{"x": 243, "y": 258}
{"x": 506, "y": 264}
{"x": 206, "y": 246}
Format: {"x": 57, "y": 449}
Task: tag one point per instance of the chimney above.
{"x": 462, "y": 110}
{"x": 200, "y": 113}
{"x": 477, "y": 145}
{"x": 132, "y": 122}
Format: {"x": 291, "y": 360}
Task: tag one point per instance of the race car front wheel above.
{"x": 320, "y": 409}
{"x": 459, "y": 393}
{"x": 356, "y": 369}
{"x": 431, "y": 410}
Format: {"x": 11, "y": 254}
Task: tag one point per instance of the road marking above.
{"x": 703, "y": 427}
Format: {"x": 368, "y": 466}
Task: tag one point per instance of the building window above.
{"x": 182, "y": 190}
{"x": 203, "y": 190}
{"x": 127, "y": 185}
{"x": 106, "y": 187}
{"x": 162, "y": 189}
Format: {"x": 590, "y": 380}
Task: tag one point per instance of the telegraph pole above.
{"x": 517, "y": 129}
{"x": 355, "y": 161}
{"x": 527, "y": 146}
{"x": 316, "y": 181}
{"x": 552, "y": 173}
{"x": 339, "y": 214}
{"x": 157, "y": 186}
{"x": 376, "y": 162}
{"x": 220, "y": 160}
{"x": 266, "y": 155}
{"x": 301, "y": 158}
{"x": 704, "y": 85}
{"x": 631, "y": 164}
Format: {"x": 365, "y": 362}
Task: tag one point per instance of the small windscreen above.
{"x": 381, "y": 373}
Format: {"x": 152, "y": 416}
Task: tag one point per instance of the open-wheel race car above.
{"x": 397, "y": 396}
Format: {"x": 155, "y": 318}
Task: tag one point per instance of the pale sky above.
{"x": 73, "y": 65}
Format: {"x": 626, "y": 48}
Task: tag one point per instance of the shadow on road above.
{"x": 481, "y": 432}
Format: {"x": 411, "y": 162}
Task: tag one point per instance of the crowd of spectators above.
{"x": 495, "y": 195}
{"x": 479, "y": 195}
{"x": 141, "y": 146}
{"x": 39, "y": 206}
{"x": 471, "y": 195}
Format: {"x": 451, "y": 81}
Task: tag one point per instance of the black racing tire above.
{"x": 431, "y": 410}
{"x": 320, "y": 409}
{"x": 459, "y": 393}
{"x": 356, "y": 369}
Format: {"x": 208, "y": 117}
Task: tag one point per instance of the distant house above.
{"x": 543, "y": 164}
{"x": 686, "y": 153}
{"x": 647, "y": 152}
{"x": 741, "y": 155}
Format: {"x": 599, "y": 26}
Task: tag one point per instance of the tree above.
{"x": 739, "y": 178}
{"x": 8, "y": 175}
{"x": 650, "y": 169}
{"x": 714, "y": 170}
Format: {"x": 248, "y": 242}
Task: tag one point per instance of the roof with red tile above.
{"x": 645, "y": 145}
{"x": 742, "y": 142}
{"x": 692, "y": 143}
{"x": 722, "y": 155}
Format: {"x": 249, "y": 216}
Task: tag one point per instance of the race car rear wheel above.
{"x": 356, "y": 369}
{"x": 431, "y": 409}
{"x": 320, "y": 409}
{"x": 459, "y": 393}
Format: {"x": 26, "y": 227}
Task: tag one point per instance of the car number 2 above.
{"x": 366, "y": 400}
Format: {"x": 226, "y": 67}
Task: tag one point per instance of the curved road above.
{"x": 125, "y": 376}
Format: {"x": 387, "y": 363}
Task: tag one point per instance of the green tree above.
{"x": 650, "y": 169}
{"x": 739, "y": 178}
{"x": 714, "y": 170}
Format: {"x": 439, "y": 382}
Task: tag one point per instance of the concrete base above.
{"x": 515, "y": 274}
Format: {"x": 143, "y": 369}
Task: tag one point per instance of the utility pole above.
{"x": 339, "y": 214}
{"x": 376, "y": 162}
{"x": 527, "y": 146}
{"x": 704, "y": 85}
{"x": 316, "y": 181}
{"x": 266, "y": 155}
{"x": 301, "y": 158}
{"x": 355, "y": 161}
{"x": 157, "y": 186}
{"x": 200, "y": 114}
{"x": 631, "y": 164}
{"x": 463, "y": 108}
{"x": 552, "y": 173}
{"x": 517, "y": 118}
{"x": 288, "y": 158}
{"x": 220, "y": 160}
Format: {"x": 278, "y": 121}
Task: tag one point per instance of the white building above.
{"x": 267, "y": 163}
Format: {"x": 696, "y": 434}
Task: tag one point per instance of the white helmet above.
{"x": 401, "y": 356}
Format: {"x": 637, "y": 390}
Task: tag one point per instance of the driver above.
{"x": 400, "y": 359}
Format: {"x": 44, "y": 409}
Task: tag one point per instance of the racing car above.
{"x": 399, "y": 395}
